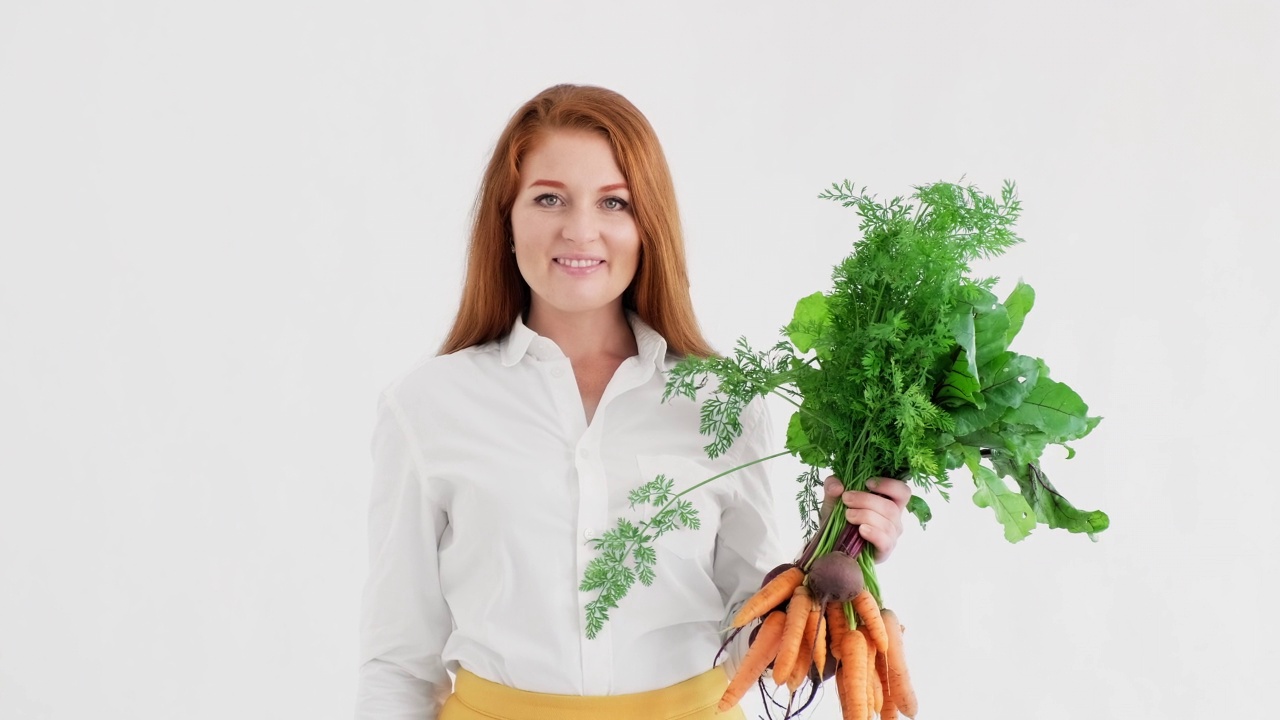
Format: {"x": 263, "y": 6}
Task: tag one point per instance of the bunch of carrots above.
{"x": 807, "y": 612}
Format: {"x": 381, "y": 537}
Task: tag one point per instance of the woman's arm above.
{"x": 404, "y": 620}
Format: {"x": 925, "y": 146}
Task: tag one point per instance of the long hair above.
{"x": 495, "y": 293}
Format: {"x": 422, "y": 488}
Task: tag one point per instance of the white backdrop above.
{"x": 224, "y": 227}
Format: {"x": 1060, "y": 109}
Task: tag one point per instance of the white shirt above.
{"x": 488, "y": 484}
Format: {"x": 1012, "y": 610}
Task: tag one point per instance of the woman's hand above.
{"x": 878, "y": 514}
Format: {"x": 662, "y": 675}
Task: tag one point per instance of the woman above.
{"x": 498, "y": 460}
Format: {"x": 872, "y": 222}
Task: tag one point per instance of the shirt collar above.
{"x": 522, "y": 340}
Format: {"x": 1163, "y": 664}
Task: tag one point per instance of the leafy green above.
{"x": 961, "y": 386}
{"x": 1053, "y": 408}
{"x": 1018, "y": 305}
{"x": 1051, "y": 508}
{"x": 609, "y": 572}
{"x": 918, "y": 507}
{"x": 901, "y": 369}
{"x": 1008, "y": 378}
{"x": 809, "y": 321}
{"x": 963, "y": 330}
{"x": 904, "y": 364}
{"x": 1012, "y": 510}
{"x": 808, "y": 500}
{"x": 990, "y": 328}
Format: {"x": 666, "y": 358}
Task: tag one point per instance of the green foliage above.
{"x": 918, "y": 507}
{"x": 609, "y": 572}
{"x": 902, "y": 369}
{"x": 1017, "y": 306}
{"x": 1011, "y": 509}
{"x": 809, "y": 500}
{"x": 744, "y": 376}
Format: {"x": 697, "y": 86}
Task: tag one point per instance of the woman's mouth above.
{"x": 578, "y": 267}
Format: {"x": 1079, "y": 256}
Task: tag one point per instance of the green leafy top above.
{"x": 609, "y": 572}
{"x": 903, "y": 369}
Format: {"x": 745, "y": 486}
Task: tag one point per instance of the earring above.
{"x": 513, "y": 243}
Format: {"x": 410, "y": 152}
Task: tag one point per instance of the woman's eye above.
{"x": 540, "y": 198}
{"x": 621, "y": 204}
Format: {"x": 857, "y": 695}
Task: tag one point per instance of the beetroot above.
{"x": 835, "y": 577}
{"x": 776, "y": 572}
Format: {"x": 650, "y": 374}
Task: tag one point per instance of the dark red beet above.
{"x": 776, "y": 572}
{"x": 835, "y": 577}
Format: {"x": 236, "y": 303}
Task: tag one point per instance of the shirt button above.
{"x": 557, "y": 372}
{"x": 589, "y": 534}
{"x": 584, "y": 453}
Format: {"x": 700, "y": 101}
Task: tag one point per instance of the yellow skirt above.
{"x": 475, "y": 698}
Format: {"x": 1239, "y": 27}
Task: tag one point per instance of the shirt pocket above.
{"x": 696, "y": 545}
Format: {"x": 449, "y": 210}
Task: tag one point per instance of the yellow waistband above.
{"x": 499, "y": 701}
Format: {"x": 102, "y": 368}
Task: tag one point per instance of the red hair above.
{"x": 495, "y": 293}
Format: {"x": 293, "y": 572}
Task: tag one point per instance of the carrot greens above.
{"x": 902, "y": 369}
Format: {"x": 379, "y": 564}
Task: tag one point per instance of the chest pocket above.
{"x": 686, "y": 543}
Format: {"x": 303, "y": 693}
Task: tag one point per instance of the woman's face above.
{"x": 573, "y": 204}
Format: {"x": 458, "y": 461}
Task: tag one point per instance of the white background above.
{"x": 224, "y": 227}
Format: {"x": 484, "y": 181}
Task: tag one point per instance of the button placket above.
{"x": 592, "y": 493}
{"x": 597, "y": 654}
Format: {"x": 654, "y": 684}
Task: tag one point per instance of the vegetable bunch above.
{"x": 903, "y": 369}
{"x": 806, "y": 616}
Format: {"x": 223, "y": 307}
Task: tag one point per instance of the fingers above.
{"x": 892, "y": 488}
{"x": 896, "y": 491}
{"x": 884, "y": 542}
{"x": 879, "y": 514}
{"x": 831, "y": 490}
{"x": 885, "y": 522}
{"x": 832, "y": 486}
{"x": 864, "y": 507}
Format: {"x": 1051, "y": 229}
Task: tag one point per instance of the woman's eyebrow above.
{"x": 557, "y": 184}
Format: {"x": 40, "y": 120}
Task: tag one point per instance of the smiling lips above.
{"x": 578, "y": 263}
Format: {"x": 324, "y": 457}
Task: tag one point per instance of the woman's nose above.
{"x": 581, "y": 225}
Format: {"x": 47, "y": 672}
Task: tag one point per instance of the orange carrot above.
{"x": 803, "y": 664}
{"x": 798, "y": 673}
{"x": 869, "y": 612}
{"x": 804, "y": 658}
{"x": 873, "y": 678}
{"x": 842, "y": 690}
{"x": 855, "y": 654}
{"x": 889, "y": 711}
{"x": 820, "y": 645}
{"x": 769, "y": 596}
{"x": 882, "y": 677}
{"x": 792, "y": 635}
{"x": 837, "y": 626}
{"x": 900, "y": 691}
{"x": 758, "y": 657}
{"x": 871, "y": 699}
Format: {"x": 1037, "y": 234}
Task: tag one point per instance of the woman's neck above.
{"x": 586, "y": 336}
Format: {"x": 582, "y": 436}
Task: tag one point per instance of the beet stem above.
{"x": 850, "y": 541}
